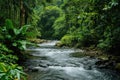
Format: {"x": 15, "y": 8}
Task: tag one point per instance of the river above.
{"x": 48, "y": 62}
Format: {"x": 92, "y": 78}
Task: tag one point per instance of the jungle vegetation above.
{"x": 78, "y": 23}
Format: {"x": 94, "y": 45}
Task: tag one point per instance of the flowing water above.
{"x": 48, "y": 62}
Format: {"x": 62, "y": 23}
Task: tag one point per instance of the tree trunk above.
{"x": 22, "y": 13}
{"x": 26, "y": 17}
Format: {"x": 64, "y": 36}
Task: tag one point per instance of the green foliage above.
{"x": 47, "y": 20}
{"x": 13, "y": 38}
{"x": 8, "y": 58}
{"x": 4, "y": 49}
{"x": 13, "y": 41}
{"x": 67, "y": 40}
{"x": 79, "y": 22}
{"x": 108, "y": 23}
{"x": 78, "y": 40}
{"x": 92, "y": 22}
{"x": 104, "y": 44}
{"x": 11, "y": 72}
{"x": 35, "y": 31}
{"x": 59, "y": 27}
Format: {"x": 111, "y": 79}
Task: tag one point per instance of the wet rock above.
{"x": 33, "y": 69}
{"x": 49, "y": 64}
{"x": 99, "y": 62}
{"x": 38, "y": 40}
{"x": 55, "y": 64}
{"x": 117, "y": 67}
{"x": 105, "y": 64}
{"x": 88, "y": 67}
{"x": 59, "y": 44}
{"x": 104, "y": 58}
{"x": 78, "y": 55}
{"x": 43, "y": 65}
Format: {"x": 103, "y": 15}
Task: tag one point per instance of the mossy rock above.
{"x": 103, "y": 57}
{"x": 78, "y": 55}
{"x": 38, "y": 40}
{"x": 59, "y": 44}
{"x": 117, "y": 67}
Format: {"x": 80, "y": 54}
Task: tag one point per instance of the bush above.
{"x": 76, "y": 38}
{"x": 12, "y": 41}
{"x": 67, "y": 40}
{"x": 11, "y": 72}
{"x": 4, "y": 49}
{"x": 13, "y": 38}
{"x": 8, "y": 58}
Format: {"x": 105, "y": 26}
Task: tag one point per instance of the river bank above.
{"x": 106, "y": 60}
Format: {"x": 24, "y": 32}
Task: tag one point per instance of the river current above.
{"x": 48, "y": 62}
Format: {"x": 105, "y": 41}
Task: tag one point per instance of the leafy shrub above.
{"x": 14, "y": 38}
{"x": 67, "y": 40}
{"x": 11, "y": 72}
{"x": 8, "y": 58}
{"x": 4, "y": 49}
{"x": 59, "y": 27}
{"x": 80, "y": 38}
{"x": 104, "y": 44}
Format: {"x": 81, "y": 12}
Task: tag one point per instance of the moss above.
{"x": 38, "y": 40}
{"x": 67, "y": 40}
{"x": 59, "y": 44}
{"x": 78, "y": 55}
{"x": 104, "y": 57}
{"x": 117, "y": 67}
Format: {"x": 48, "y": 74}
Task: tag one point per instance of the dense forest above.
{"x": 76, "y": 23}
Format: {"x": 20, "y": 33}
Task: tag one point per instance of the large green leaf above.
{"x": 11, "y": 72}
{"x": 9, "y": 24}
{"x": 24, "y": 28}
{"x": 16, "y": 31}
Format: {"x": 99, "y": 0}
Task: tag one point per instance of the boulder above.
{"x": 59, "y": 44}
{"x": 117, "y": 67}
{"x": 33, "y": 69}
